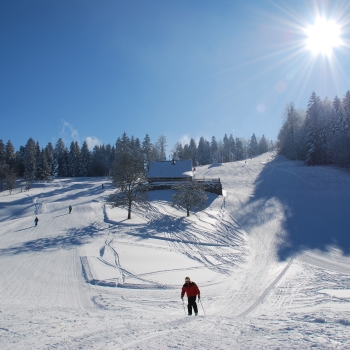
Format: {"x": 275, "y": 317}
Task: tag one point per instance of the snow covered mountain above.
{"x": 270, "y": 256}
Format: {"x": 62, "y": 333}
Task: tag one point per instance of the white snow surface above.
{"x": 168, "y": 169}
{"x": 270, "y": 256}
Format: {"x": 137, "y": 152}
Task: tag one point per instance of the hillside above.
{"x": 271, "y": 257}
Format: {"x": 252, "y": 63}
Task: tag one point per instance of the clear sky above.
{"x": 83, "y": 69}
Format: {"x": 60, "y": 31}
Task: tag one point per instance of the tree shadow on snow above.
{"x": 316, "y": 214}
{"x": 69, "y": 240}
{"x": 60, "y": 215}
{"x": 167, "y": 196}
{"x": 173, "y": 229}
{"x": 168, "y": 224}
{"x": 23, "y": 229}
{"x": 213, "y": 165}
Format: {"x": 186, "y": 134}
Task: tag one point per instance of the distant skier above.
{"x": 191, "y": 289}
{"x": 70, "y": 209}
{"x": 36, "y": 221}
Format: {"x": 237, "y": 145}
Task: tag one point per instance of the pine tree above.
{"x": 193, "y": 151}
{"x": 339, "y": 148}
{"x": 312, "y": 141}
{"x": 200, "y": 151}
{"x": 146, "y": 150}
{"x": 341, "y": 125}
{"x": 118, "y": 147}
{"x": 239, "y": 149}
{"x": 109, "y": 159}
{"x": 38, "y": 162}
{"x": 50, "y": 156}
{"x": 29, "y": 161}
{"x": 203, "y": 152}
{"x": 125, "y": 143}
{"x": 290, "y": 134}
{"x": 85, "y": 159}
{"x": 96, "y": 167}
{"x": 60, "y": 150}
{"x": 220, "y": 152}
{"x": 4, "y": 168}
{"x": 122, "y": 146}
{"x": 253, "y": 146}
{"x": 10, "y": 180}
{"x": 207, "y": 153}
{"x": 187, "y": 154}
{"x": 214, "y": 149}
{"x": 44, "y": 173}
{"x": 10, "y": 155}
{"x": 132, "y": 144}
{"x": 263, "y": 145}
{"x": 2, "y": 152}
{"x": 177, "y": 151}
{"x": 65, "y": 163}
{"x": 232, "y": 148}
{"x": 346, "y": 108}
{"x": 74, "y": 159}
{"x": 20, "y": 161}
{"x": 225, "y": 149}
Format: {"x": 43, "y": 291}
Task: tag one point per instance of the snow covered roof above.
{"x": 170, "y": 169}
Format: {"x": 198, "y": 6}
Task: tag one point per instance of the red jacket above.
{"x": 190, "y": 289}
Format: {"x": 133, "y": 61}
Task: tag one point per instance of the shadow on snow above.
{"x": 70, "y": 239}
{"x": 316, "y": 216}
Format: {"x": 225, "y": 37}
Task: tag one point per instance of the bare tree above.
{"x": 128, "y": 176}
{"x": 189, "y": 194}
{"x": 10, "y": 180}
{"x": 161, "y": 147}
{"x": 8, "y": 175}
{"x": 4, "y": 168}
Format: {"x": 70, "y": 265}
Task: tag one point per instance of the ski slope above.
{"x": 270, "y": 256}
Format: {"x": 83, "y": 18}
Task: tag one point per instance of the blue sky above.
{"x": 94, "y": 69}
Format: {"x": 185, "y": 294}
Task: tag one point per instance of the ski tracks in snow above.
{"x": 267, "y": 290}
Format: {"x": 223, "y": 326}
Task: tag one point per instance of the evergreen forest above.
{"x": 33, "y": 162}
{"x": 320, "y": 135}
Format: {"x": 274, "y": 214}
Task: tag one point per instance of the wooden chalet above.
{"x": 163, "y": 175}
{"x": 179, "y": 170}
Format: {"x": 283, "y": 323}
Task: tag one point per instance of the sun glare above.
{"x": 323, "y": 36}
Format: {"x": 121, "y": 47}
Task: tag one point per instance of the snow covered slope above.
{"x": 271, "y": 257}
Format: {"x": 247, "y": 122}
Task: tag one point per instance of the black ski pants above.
{"x": 192, "y": 303}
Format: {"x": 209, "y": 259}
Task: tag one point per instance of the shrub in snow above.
{"x": 189, "y": 194}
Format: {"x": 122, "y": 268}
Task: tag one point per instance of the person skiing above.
{"x": 192, "y": 290}
{"x": 36, "y": 221}
{"x": 70, "y": 209}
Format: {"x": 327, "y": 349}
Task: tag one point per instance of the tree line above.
{"x": 229, "y": 149}
{"x": 33, "y": 162}
{"x": 320, "y": 135}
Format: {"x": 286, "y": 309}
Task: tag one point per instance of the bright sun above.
{"x": 323, "y": 36}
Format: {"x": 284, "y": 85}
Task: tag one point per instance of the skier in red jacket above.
{"x": 191, "y": 289}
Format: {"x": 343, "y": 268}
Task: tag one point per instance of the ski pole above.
{"x": 184, "y": 306}
{"x": 202, "y": 305}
